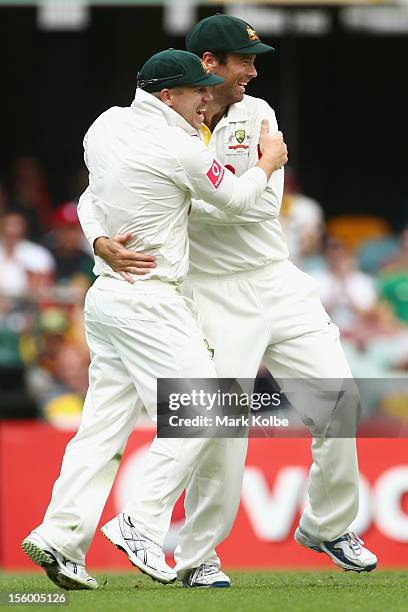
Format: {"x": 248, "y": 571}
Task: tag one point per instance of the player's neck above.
{"x": 214, "y": 114}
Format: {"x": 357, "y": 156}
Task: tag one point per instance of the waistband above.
{"x": 109, "y": 283}
{"x": 258, "y": 272}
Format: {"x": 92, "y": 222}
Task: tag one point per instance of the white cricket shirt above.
{"x": 146, "y": 163}
{"x": 222, "y": 243}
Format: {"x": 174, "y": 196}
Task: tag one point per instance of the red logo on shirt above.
{"x": 239, "y": 146}
{"x": 216, "y": 174}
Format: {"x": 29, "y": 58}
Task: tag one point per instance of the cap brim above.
{"x": 208, "y": 80}
{"x": 256, "y": 48}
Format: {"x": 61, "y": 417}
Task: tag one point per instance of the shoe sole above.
{"x": 216, "y": 585}
{"x": 304, "y": 540}
{"x": 348, "y": 568}
{"x": 36, "y": 553}
{"x": 49, "y": 563}
{"x": 140, "y": 567}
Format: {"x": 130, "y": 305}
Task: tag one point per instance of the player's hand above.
{"x": 273, "y": 146}
{"x": 120, "y": 259}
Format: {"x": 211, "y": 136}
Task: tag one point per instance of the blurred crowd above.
{"x": 361, "y": 268}
{"x": 45, "y": 271}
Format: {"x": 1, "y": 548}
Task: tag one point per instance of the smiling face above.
{"x": 237, "y": 71}
{"x": 189, "y": 101}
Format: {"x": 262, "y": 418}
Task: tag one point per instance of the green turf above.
{"x": 251, "y": 591}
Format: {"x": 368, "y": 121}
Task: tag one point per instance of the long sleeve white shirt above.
{"x": 145, "y": 164}
{"x": 221, "y": 243}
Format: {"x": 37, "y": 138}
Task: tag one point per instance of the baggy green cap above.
{"x": 174, "y": 68}
{"x": 224, "y": 34}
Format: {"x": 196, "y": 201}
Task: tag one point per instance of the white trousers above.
{"x": 274, "y": 315}
{"x": 136, "y": 334}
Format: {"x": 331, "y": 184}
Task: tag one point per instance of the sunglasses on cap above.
{"x": 141, "y": 82}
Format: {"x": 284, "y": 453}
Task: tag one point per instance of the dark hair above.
{"x": 222, "y": 57}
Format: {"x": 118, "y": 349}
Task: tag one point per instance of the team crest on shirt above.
{"x": 252, "y": 35}
{"x": 240, "y": 136}
{"x": 238, "y": 142}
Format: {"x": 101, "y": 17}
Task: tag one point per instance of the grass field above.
{"x": 255, "y": 591}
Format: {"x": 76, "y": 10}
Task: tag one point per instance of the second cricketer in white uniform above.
{"x": 255, "y": 306}
{"x": 146, "y": 162}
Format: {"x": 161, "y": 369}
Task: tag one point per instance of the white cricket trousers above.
{"x": 136, "y": 334}
{"x": 272, "y": 314}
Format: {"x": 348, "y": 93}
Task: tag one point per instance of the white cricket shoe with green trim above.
{"x": 62, "y": 571}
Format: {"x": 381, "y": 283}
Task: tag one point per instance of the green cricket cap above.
{"x": 224, "y": 34}
{"x": 174, "y": 68}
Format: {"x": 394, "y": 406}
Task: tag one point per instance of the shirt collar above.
{"x": 151, "y": 108}
{"x": 234, "y": 113}
{"x": 237, "y": 112}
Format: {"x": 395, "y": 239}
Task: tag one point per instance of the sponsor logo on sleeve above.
{"x": 216, "y": 173}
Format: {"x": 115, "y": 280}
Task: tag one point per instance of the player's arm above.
{"x": 112, "y": 250}
{"x": 209, "y": 180}
{"x": 90, "y": 217}
{"x": 268, "y": 204}
{"x": 205, "y": 213}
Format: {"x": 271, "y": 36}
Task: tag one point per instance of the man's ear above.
{"x": 210, "y": 60}
{"x": 166, "y": 97}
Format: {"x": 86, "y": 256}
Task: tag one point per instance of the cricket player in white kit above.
{"x": 255, "y": 305}
{"x": 145, "y": 162}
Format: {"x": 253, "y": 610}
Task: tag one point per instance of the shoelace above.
{"x": 151, "y": 546}
{"x": 145, "y": 543}
{"x": 205, "y": 569}
{"x": 355, "y": 542}
{"x": 68, "y": 563}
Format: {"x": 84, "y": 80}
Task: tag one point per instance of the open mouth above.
{"x": 200, "y": 113}
{"x": 242, "y": 85}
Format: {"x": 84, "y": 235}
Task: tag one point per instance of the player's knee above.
{"x": 351, "y": 404}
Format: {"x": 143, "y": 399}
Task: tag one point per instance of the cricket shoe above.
{"x": 62, "y": 571}
{"x": 347, "y": 551}
{"x": 206, "y": 575}
{"x": 142, "y": 552}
